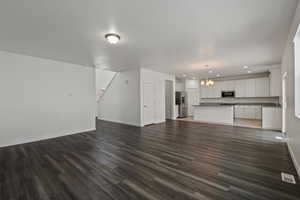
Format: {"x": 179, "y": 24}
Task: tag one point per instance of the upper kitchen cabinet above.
{"x": 262, "y": 87}
{"x": 240, "y": 88}
{"x": 250, "y": 87}
{"x": 254, "y": 87}
{"x": 208, "y": 92}
{"x": 228, "y": 85}
{"x": 275, "y": 82}
{"x": 217, "y": 89}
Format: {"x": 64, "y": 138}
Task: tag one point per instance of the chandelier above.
{"x": 207, "y": 83}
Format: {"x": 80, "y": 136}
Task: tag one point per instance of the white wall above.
{"x": 179, "y": 85}
{"x": 191, "y": 84}
{"x": 103, "y": 77}
{"x": 44, "y": 98}
{"x": 158, "y": 79}
{"x": 121, "y": 102}
{"x": 275, "y": 82}
{"x": 293, "y": 123}
{"x": 297, "y": 72}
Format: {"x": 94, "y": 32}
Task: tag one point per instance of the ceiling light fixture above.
{"x": 207, "y": 82}
{"x": 210, "y": 71}
{"x": 249, "y": 72}
{"x": 112, "y": 38}
{"x": 218, "y": 75}
{"x": 246, "y": 67}
{"x": 184, "y": 75}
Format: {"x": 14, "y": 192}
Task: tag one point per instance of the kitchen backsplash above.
{"x": 275, "y": 100}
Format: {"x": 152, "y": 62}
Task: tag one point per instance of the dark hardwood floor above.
{"x": 173, "y": 160}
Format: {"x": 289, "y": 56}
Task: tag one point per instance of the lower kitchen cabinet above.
{"x": 272, "y": 118}
{"x": 248, "y": 112}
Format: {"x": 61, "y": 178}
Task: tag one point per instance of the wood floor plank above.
{"x": 175, "y": 160}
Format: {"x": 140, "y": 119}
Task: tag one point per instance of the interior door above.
{"x": 148, "y": 103}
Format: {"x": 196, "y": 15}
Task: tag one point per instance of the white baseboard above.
{"x": 120, "y": 122}
{"x": 296, "y": 164}
{"x": 35, "y": 138}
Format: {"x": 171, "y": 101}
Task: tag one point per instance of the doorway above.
{"x": 169, "y": 99}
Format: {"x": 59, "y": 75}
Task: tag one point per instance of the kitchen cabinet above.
{"x": 217, "y": 90}
{"x": 222, "y": 85}
{"x": 258, "y": 112}
{"x": 255, "y": 87}
{"x": 248, "y": 112}
{"x": 226, "y": 85}
{"x": 240, "y": 88}
{"x": 250, "y": 88}
{"x": 272, "y": 118}
{"x": 237, "y": 112}
{"x": 262, "y": 87}
{"x": 210, "y": 92}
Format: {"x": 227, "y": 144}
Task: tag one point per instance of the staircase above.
{"x": 104, "y": 80}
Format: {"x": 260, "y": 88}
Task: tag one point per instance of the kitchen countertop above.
{"x": 240, "y": 104}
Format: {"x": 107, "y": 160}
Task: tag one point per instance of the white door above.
{"x": 148, "y": 103}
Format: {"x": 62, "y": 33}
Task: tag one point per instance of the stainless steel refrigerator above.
{"x": 181, "y": 98}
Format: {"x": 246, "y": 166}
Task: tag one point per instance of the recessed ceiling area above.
{"x": 172, "y": 36}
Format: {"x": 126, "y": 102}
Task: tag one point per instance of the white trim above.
{"x": 297, "y": 166}
{"x": 120, "y": 122}
{"x": 284, "y": 101}
{"x": 297, "y": 32}
{"x": 35, "y": 139}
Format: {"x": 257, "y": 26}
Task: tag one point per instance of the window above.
{"x": 297, "y": 72}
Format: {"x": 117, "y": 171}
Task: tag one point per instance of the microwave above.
{"x": 228, "y": 94}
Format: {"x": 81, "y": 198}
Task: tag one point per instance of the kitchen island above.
{"x": 214, "y": 113}
{"x": 256, "y": 115}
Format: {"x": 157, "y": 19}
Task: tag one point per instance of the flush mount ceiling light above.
{"x": 218, "y": 75}
{"x": 246, "y": 67}
{"x": 210, "y": 71}
{"x": 249, "y": 72}
{"x": 112, "y": 38}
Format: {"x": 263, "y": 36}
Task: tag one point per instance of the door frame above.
{"x": 284, "y": 102}
{"x": 171, "y": 83}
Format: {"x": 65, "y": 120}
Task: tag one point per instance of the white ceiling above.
{"x": 173, "y": 36}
